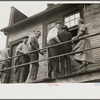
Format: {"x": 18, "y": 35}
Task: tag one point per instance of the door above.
{"x": 14, "y": 46}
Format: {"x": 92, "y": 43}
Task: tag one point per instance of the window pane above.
{"x": 72, "y": 20}
{"x": 66, "y": 19}
{"x": 76, "y": 21}
{"x": 52, "y": 24}
{"x": 48, "y": 26}
{"x": 72, "y": 23}
{"x": 72, "y": 17}
{"x": 77, "y": 15}
{"x": 67, "y": 24}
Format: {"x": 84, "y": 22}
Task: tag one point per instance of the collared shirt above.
{"x": 24, "y": 48}
{"x": 52, "y": 34}
{"x": 34, "y": 45}
{"x": 4, "y": 54}
{"x": 34, "y": 40}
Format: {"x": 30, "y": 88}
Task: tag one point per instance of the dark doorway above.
{"x": 13, "y": 53}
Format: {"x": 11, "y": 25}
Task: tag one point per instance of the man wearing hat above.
{"x": 64, "y": 35}
{"x": 21, "y": 73}
{"x": 34, "y": 45}
{"x": 52, "y": 39}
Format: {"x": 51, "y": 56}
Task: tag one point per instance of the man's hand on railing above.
{"x": 25, "y": 53}
{"x": 74, "y": 38}
{"x": 56, "y": 39}
{"x": 42, "y": 52}
{"x": 19, "y": 53}
{"x": 9, "y": 60}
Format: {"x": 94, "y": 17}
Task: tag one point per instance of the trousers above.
{"x": 35, "y": 66}
{"x": 65, "y": 65}
{"x": 53, "y": 64}
{"x": 21, "y": 73}
{"x": 5, "y": 74}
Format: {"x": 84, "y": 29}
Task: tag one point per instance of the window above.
{"x": 50, "y": 26}
{"x": 71, "y": 20}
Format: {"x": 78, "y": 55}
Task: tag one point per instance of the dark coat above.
{"x": 63, "y": 36}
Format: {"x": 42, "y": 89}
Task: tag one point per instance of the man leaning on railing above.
{"x": 5, "y": 75}
{"x": 52, "y": 39}
{"x": 65, "y": 35}
{"x": 34, "y": 45}
{"x": 22, "y": 72}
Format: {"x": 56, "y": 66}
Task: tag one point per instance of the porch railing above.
{"x": 46, "y": 48}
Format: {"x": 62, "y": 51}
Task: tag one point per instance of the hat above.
{"x": 57, "y": 22}
{"x": 25, "y": 37}
{"x": 65, "y": 27}
{"x": 39, "y": 32}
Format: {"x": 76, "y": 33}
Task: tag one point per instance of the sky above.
{"x": 28, "y": 8}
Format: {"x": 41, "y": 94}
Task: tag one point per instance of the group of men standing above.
{"x": 24, "y": 54}
{"x": 56, "y": 35}
{"x": 24, "y": 49}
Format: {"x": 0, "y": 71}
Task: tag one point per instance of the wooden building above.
{"x": 67, "y": 14}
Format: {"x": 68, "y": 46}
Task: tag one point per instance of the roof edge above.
{"x": 3, "y": 29}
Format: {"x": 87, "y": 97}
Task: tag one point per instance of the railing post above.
{"x": 46, "y": 55}
{"x": 59, "y": 64}
{"x": 47, "y": 61}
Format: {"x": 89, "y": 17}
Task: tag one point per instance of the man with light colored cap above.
{"x": 21, "y": 73}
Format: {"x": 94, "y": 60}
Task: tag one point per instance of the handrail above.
{"x": 49, "y": 58}
{"x": 52, "y": 46}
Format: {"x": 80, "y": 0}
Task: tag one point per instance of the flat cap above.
{"x": 65, "y": 27}
{"x": 39, "y": 32}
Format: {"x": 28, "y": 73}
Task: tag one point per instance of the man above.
{"x": 64, "y": 35}
{"x": 34, "y": 45}
{"x": 21, "y": 73}
{"x": 5, "y": 64}
{"x": 52, "y": 39}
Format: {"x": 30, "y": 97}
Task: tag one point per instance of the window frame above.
{"x": 53, "y": 21}
{"x": 70, "y": 14}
